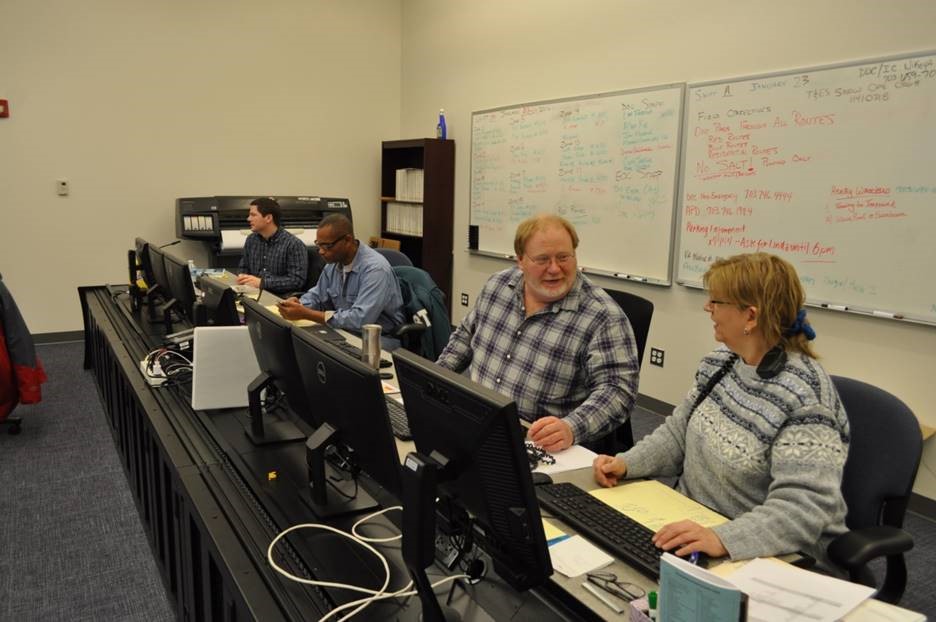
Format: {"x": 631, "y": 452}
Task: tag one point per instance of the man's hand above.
{"x": 291, "y": 309}
{"x": 551, "y": 433}
{"x": 686, "y": 537}
{"x": 246, "y": 279}
{"x": 608, "y": 470}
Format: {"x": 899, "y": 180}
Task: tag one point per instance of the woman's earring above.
{"x": 747, "y": 331}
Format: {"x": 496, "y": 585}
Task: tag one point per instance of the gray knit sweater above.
{"x": 766, "y": 453}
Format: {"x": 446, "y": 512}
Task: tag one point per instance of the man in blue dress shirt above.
{"x": 357, "y": 286}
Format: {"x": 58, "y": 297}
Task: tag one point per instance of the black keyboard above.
{"x": 398, "y": 420}
{"x": 617, "y": 533}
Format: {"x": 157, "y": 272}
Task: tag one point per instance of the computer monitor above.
{"x": 143, "y": 257}
{"x": 469, "y": 440}
{"x": 181, "y": 287}
{"x": 349, "y": 398}
{"x": 271, "y": 337}
{"x": 158, "y": 269}
{"x": 218, "y": 306}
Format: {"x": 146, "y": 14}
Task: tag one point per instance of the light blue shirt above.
{"x": 368, "y": 294}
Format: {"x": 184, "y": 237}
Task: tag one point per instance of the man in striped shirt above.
{"x": 544, "y": 335}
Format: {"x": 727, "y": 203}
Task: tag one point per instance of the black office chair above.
{"x": 883, "y": 457}
{"x": 639, "y": 312}
{"x": 313, "y": 272}
{"x": 395, "y": 258}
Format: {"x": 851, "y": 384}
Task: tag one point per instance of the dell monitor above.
{"x": 158, "y": 269}
{"x": 470, "y": 452}
{"x": 350, "y": 401}
{"x": 218, "y": 306}
{"x": 180, "y": 285}
{"x": 271, "y": 337}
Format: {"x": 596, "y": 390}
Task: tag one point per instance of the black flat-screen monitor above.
{"x": 474, "y": 435}
{"x": 350, "y": 401}
{"x": 181, "y": 288}
{"x": 143, "y": 257}
{"x": 271, "y": 337}
{"x": 158, "y": 268}
{"x": 218, "y": 303}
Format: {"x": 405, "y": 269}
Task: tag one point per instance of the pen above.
{"x": 835, "y": 307}
{"x": 607, "y": 601}
{"x": 892, "y": 316}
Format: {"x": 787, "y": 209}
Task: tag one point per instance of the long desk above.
{"x": 211, "y": 502}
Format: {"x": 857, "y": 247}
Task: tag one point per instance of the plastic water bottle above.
{"x": 440, "y": 127}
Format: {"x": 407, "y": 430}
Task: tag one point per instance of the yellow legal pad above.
{"x": 653, "y": 505}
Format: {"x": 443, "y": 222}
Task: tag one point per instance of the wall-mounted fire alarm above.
{"x": 4, "y": 109}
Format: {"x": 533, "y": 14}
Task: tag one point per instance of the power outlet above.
{"x": 464, "y": 299}
{"x": 656, "y": 357}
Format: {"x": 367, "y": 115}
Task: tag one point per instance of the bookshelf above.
{"x": 423, "y": 228}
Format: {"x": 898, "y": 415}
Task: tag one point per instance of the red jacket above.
{"x": 21, "y": 372}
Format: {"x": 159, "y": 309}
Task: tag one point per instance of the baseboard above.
{"x": 62, "y": 337}
{"x": 924, "y": 506}
{"x": 657, "y": 407}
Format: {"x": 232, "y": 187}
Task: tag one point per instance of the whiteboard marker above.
{"x": 892, "y": 316}
{"x": 621, "y": 275}
{"x": 835, "y": 307}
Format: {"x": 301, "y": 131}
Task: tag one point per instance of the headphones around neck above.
{"x": 772, "y": 363}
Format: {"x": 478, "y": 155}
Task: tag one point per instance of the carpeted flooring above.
{"x": 71, "y": 543}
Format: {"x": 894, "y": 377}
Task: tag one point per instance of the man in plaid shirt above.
{"x": 271, "y": 253}
{"x": 544, "y": 335}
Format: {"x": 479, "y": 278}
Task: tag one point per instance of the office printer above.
{"x": 222, "y": 221}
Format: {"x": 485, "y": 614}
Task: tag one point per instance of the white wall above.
{"x": 467, "y": 55}
{"x": 139, "y": 103}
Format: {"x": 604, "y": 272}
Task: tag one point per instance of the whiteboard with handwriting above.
{"x": 607, "y": 163}
{"x": 832, "y": 168}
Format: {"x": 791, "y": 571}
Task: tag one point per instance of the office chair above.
{"x": 639, "y": 312}
{"x": 313, "y": 272}
{"x": 883, "y": 457}
{"x": 395, "y": 258}
{"x": 422, "y": 299}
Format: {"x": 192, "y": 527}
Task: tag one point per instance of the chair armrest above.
{"x": 413, "y": 328}
{"x": 859, "y": 546}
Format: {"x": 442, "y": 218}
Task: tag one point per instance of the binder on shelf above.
{"x": 409, "y": 184}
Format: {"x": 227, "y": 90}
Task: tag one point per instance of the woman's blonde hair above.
{"x": 531, "y": 225}
{"x": 768, "y": 283}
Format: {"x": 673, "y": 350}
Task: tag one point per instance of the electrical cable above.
{"x": 373, "y": 595}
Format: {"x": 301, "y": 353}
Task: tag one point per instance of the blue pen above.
{"x": 694, "y": 557}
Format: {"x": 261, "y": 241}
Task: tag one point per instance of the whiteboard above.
{"x": 607, "y": 163}
{"x": 831, "y": 168}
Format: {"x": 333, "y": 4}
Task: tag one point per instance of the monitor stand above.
{"x": 265, "y": 433}
{"x": 420, "y": 476}
{"x": 346, "y": 496}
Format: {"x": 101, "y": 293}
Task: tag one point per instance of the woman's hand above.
{"x": 608, "y": 470}
{"x": 687, "y": 537}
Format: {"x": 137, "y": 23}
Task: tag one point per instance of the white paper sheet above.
{"x": 575, "y": 457}
{"x": 782, "y": 592}
{"x": 575, "y": 556}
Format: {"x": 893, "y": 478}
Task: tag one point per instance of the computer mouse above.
{"x": 385, "y": 375}
{"x": 698, "y": 558}
{"x": 385, "y": 363}
{"x": 540, "y": 478}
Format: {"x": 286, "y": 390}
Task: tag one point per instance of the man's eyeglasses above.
{"x": 536, "y": 455}
{"x": 543, "y": 260}
{"x": 608, "y": 581}
{"x": 327, "y": 246}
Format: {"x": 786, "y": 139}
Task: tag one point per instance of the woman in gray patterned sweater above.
{"x": 762, "y": 436}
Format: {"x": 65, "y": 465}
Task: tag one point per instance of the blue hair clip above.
{"x": 800, "y": 326}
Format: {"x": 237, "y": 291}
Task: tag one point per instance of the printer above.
{"x": 221, "y": 221}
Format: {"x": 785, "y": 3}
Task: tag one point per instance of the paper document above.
{"x": 653, "y": 504}
{"x": 779, "y": 591}
{"x": 875, "y": 611}
{"x": 575, "y": 556}
{"x": 389, "y": 389}
{"x": 553, "y": 533}
{"x": 575, "y": 457}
